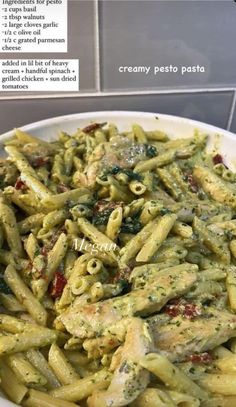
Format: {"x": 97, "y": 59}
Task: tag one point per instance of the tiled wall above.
{"x": 107, "y": 34}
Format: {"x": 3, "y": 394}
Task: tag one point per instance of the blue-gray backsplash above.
{"x": 166, "y": 40}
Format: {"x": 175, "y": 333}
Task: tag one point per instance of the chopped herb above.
{"x": 152, "y": 298}
{"x": 37, "y": 252}
{"x": 125, "y": 367}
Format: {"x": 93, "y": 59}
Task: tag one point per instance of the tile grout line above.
{"x": 97, "y": 47}
{"x": 232, "y": 109}
{"x": 120, "y": 93}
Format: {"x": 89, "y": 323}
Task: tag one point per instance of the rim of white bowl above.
{"x": 119, "y": 113}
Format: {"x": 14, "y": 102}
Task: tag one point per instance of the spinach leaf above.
{"x": 115, "y": 169}
{"x": 4, "y": 288}
{"x": 151, "y": 151}
{"x": 101, "y": 218}
{"x": 131, "y": 225}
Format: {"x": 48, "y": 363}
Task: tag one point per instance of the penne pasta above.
{"x": 117, "y": 270}
{"x": 24, "y": 371}
{"x": 172, "y": 376}
{"x": 33, "y": 338}
{"x": 83, "y": 388}
{"x": 61, "y": 366}
{"x": 25, "y": 296}
{"x": 37, "y": 398}
{"x": 15, "y": 390}
{"x": 10, "y": 227}
{"x": 156, "y": 238}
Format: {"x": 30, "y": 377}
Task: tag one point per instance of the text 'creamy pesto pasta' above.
{"x": 117, "y": 270}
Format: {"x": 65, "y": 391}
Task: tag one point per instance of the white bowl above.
{"x": 175, "y": 127}
{"x": 221, "y": 140}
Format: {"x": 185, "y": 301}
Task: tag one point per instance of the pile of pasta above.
{"x": 117, "y": 270}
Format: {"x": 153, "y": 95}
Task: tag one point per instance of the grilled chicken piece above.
{"x": 93, "y": 319}
{"x": 34, "y": 151}
{"x": 120, "y": 151}
{"x": 88, "y": 177}
{"x": 8, "y": 173}
{"x": 180, "y": 336}
{"x": 129, "y": 379}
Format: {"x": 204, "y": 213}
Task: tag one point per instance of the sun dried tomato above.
{"x": 181, "y": 307}
{"x": 103, "y": 204}
{"x": 172, "y": 310}
{"x": 204, "y": 357}
{"x": 191, "y": 311}
{"x": 62, "y": 188}
{"x": 193, "y": 185}
{"x": 20, "y": 185}
{"x": 93, "y": 127}
{"x": 102, "y": 211}
{"x": 133, "y": 263}
{"x": 38, "y": 162}
{"x": 217, "y": 159}
{"x": 122, "y": 274}
{"x": 112, "y": 342}
{"x": 44, "y": 251}
{"x": 57, "y": 286}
